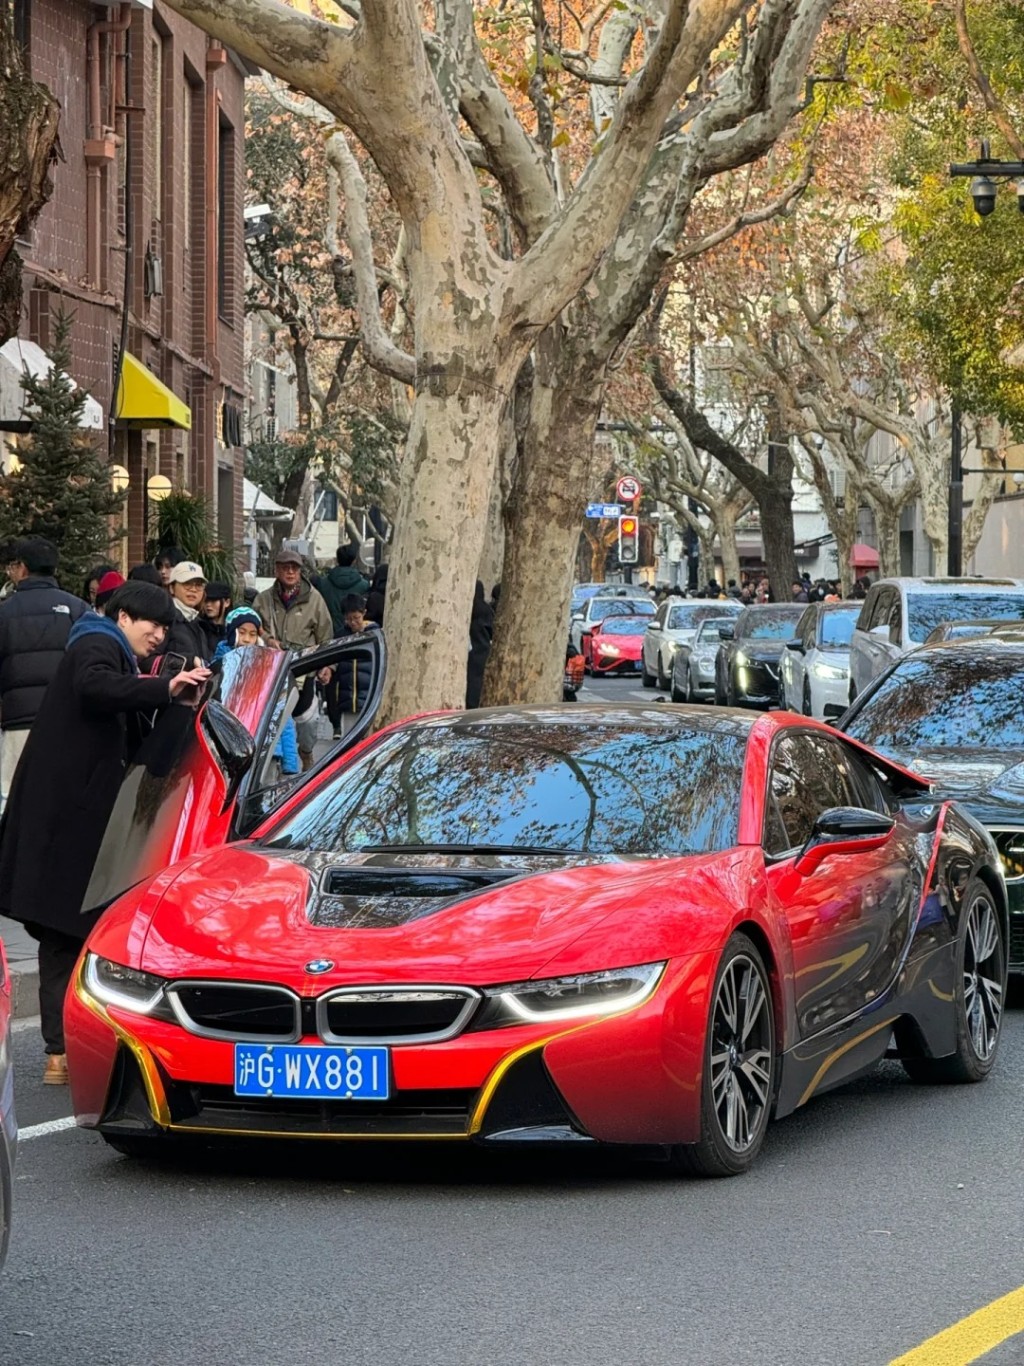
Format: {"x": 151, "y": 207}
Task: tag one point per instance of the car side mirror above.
{"x": 796, "y": 645}
{"x": 233, "y": 743}
{"x": 882, "y": 629}
{"x": 654, "y": 626}
{"x": 578, "y": 616}
{"x": 726, "y": 633}
{"x": 843, "y": 830}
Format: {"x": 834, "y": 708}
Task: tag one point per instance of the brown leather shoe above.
{"x": 306, "y": 755}
{"x": 56, "y": 1071}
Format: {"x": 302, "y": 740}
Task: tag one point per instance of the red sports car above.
{"x": 622, "y": 924}
{"x": 613, "y": 645}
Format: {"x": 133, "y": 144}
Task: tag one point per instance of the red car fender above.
{"x": 636, "y": 1077}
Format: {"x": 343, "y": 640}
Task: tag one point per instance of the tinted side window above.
{"x": 895, "y": 618}
{"x": 809, "y": 774}
{"x": 804, "y": 628}
{"x": 867, "y": 613}
{"x": 870, "y": 789}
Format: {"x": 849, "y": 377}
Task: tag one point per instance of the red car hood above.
{"x": 252, "y": 914}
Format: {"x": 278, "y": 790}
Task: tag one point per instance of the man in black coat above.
{"x": 68, "y": 780}
{"x": 35, "y": 622}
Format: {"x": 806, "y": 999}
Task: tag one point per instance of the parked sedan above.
{"x": 595, "y": 610}
{"x": 747, "y": 666}
{"x": 955, "y": 711}
{"x": 672, "y": 629}
{"x": 600, "y": 925}
{"x": 613, "y": 645}
{"x": 8, "y": 1124}
{"x": 816, "y": 662}
{"x": 693, "y": 665}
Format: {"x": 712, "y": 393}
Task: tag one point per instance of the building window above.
{"x": 225, "y": 220}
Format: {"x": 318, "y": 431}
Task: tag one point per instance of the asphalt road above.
{"x": 875, "y": 1217}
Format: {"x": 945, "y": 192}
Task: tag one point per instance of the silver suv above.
{"x": 900, "y": 614}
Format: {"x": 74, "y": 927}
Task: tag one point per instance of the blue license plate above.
{"x": 637, "y": 664}
{"x": 311, "y": 1072}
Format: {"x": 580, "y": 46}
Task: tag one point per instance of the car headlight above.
{"x": 743, "y": 660}
{"x": 568, "y": 998}
{"x": 608, "y": 649}
{"x": 127, "y": 988}
{"x": 822, "y": 670}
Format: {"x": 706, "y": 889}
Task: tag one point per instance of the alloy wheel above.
{"x": 741, "y": 1059}
{"x": 983, "y": 977}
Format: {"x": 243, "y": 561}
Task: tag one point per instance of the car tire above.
{"x": 978, "y": 995}
{"x": 645, "y": 678}
{"x": 692, "y": 696}
{"x": 663, "y": 682}
{"x": 677, "y": 694}
{"x": 738, "y": 1083}
{"x": 807, "y": 705}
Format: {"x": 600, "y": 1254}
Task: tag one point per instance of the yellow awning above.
{"x": 143, "y": 401}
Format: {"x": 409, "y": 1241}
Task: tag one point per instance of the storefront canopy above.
{"x": 260, "y": 505}
{"x": 144, "y": 402}
{"x": 16, "y": 357}
{"x": 863, "y": 557}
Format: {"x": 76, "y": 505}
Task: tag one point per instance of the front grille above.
{"x": 407, "y": 1113}
{"x": 394, "y": 1014}
{"x": 1010, "y": 844}
{"x": 245, "y": 1011}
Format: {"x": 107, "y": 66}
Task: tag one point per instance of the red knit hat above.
{"x": 108, "y": 586}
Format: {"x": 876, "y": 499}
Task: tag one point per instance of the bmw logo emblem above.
{"x": 319, "y": 965}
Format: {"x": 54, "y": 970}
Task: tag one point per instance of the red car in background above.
{"x": 614, "y": 645}
{"x": 616, "y": 924}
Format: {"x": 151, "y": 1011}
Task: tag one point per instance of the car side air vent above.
{"x": 412, "y": 882}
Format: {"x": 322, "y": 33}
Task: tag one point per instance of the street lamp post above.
{"x": 983, "y": 173}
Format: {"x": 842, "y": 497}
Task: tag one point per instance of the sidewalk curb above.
{"x": 24, "y": 992}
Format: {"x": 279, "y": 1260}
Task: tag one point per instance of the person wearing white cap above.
{"x": 187, "y": 637}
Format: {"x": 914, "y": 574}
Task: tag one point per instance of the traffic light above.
{"x": 629, "y": 540}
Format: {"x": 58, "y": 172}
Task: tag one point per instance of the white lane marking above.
{"x": 52, "y": 1126}
{"x": 19, "y": 1026}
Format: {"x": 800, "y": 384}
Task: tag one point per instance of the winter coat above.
{"x": 35, "y": 622}
{"x": 355, "y": 678}
{"x": 303, "y": 622}
{"x": 69, "y": 776}
{"x": 335, "y": 586}
{"x": 186, "y": 637}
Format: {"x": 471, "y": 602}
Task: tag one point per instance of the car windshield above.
{"x": 624, "y": 626}
{"x": 707, "y": 633}
{"x": 925, "y": 611}
{"x": 686, "y": 618}
{"x": 837, "y": 627}
{"x": 593, "y": 789}
{"x": 620, "y": 607}
{"x": 962, "y": 700}
{"x": 767, "y": 623}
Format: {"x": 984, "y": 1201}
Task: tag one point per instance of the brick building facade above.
{"x": 152, "y": 178}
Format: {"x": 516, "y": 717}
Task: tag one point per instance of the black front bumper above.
{"x": 525, "y": 1108}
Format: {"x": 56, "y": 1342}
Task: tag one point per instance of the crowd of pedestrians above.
{"x": 757, "y": 589}
{"x": 82, "y": 680}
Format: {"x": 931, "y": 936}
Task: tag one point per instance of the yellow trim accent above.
{"x": 834, "y": 1057}
{"x": 942, "y": 995}
{"x": 492, "y": 1083}
{"x": 155, "y": 1095}
{"x": 973, "y": 1337}
{"x": 144, "y": 401}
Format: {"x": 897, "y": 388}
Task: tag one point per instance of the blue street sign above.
{"x": 604, "y": 510}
